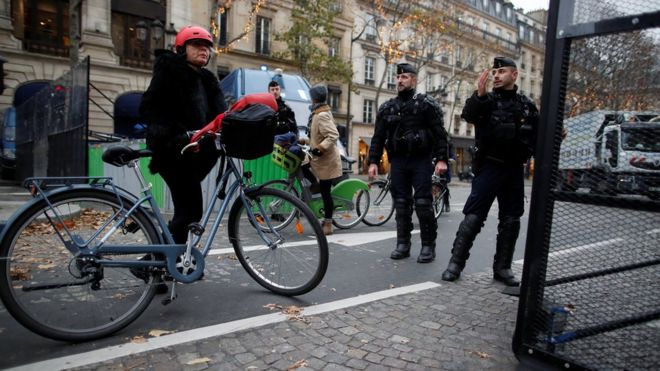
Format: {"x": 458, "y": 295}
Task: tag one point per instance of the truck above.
{"x": 612, "y": 153}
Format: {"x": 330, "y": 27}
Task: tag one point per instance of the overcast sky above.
{"x": 531, "y": 4}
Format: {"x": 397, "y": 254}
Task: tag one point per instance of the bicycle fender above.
{"x": 4, "y": 225}
{"x": 347, "y": 188}
{"x": 122, "y": 193}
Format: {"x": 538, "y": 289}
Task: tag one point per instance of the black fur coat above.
{"x": 179, "y": 99}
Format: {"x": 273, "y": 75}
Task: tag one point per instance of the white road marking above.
{"x": 344, "y": 239}
{"x": 579, "y": 248}
{"x": 126, "y": 349}
{"x": 588, "y": 246}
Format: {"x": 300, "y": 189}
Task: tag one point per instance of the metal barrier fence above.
{"x": 51, "y": 127}
{"x": 590, "y": 297}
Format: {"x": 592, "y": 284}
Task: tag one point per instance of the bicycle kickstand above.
{"x": 173, "y": 294}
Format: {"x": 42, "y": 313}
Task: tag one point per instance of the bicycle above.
{"x": 382, "y": 208}
{"x": 82, "y": 259}
{"x": 347, "y": 194}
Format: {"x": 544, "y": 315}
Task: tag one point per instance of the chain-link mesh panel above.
{"x": 585, "y": 11}
{"x": 595, "y": 293}
{"x": 51, "y": 127}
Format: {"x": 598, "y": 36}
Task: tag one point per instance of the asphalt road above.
{"x": 227, "y": 293}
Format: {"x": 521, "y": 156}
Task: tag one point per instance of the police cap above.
{"x": 500, "y": 62}
{"x": 405, "y": 68}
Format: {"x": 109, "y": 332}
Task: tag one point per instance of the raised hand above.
{"x": 482, "y": 83}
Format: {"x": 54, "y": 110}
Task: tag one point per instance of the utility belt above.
{"x": 411, "y": 141}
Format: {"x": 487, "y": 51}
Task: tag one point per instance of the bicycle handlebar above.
{"x": 194, "y": 144}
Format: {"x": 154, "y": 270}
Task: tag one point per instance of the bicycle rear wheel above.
{"x": 66, "y": 297}
{"x": 280, "y": 215}
{"x": 381, "y": 207}
{"x": 290, "y": 260}
{"x": 347, "y": 212}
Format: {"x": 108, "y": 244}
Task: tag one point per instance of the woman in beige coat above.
{"x": 325, "y": 161}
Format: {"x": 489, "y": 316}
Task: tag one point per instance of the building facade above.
{"x": 452, "y": 57}
{"x": 37, "y": 39}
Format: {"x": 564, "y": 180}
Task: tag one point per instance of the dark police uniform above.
{"x": 505, "y": 133}
{"x": 286, "y": 118}
{"x": 411, "y": 127}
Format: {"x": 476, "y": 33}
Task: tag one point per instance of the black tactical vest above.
{"x": 407, "y": 126}
{"x": 508, "y": 136}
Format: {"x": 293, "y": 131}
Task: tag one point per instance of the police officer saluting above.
{"x": 505, "y": 133}
{"x": 411, "y": 127}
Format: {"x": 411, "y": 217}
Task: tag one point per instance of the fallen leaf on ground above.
{"x": 482, "y": 355}
{"x": 293, "y": 313}
{"x": 292, "y": 310}
{"x": 296, "y": 365}
{"x": 138, "y": 340}
{"x": 198, "y": 361}
{"x": 272, "y": 306}
{"x": 157, "y": 333}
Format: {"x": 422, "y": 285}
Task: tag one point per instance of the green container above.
{"x": 263, "y": 169}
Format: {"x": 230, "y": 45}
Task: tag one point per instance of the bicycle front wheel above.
{"x": 438, "y": 199}
{"x": 67, "y": 296}
{"x": 288, "y": 260}
{"x": 381, "y": 207}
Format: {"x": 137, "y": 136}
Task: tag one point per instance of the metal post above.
{"x": 74, "y": 31}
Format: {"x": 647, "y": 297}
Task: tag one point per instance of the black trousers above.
{"x": 503, "y": 182}
{"x": 328, "y": 203}
{"x": 183, "y": 178}
{"x": 411, "y": 172}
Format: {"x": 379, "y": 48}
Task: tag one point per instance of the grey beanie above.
{"x": 318, "y": 93}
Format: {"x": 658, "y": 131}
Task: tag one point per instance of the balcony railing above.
{"x": 45, "y": 47}
{"x": 489, "y": 37}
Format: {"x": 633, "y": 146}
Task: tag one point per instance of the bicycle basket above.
{"x": 285, "y": 159}
{"x": 249, "y": 134}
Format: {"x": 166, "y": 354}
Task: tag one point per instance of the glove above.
{"x": 211, "y": 129}
{"x": 317, "y": 152}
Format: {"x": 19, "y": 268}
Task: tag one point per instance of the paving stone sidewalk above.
{"x": 458, "y": 326}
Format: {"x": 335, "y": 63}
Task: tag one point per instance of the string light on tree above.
{"x": 222, "y": 7}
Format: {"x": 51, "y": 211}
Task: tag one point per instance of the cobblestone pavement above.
{"x": 457, "y": 326}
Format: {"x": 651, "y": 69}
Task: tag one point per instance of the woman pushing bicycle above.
{"x": 325, "y": 159}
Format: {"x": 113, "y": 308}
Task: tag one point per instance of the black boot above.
{"x": 507, "y": 235}
{"x": 467, "y": 232}
{"x": 404, "y": 226}
{"x": 428, "y": 229}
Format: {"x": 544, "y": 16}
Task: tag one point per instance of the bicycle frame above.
{"x": 384, "y": 190}
{"x": 168, "y": 249}
{"x": 341, "y": 192}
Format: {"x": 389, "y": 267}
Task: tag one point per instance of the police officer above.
{"x": 505, "y": 133}
{"x": 286, "y": 118}
{"x": 411, "y": 127}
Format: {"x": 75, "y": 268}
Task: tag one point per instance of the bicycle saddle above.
{"x": 121, "y": 155}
